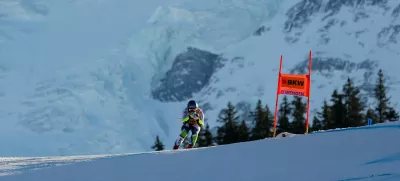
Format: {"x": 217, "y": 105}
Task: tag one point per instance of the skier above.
{"x": 193, "y": 120}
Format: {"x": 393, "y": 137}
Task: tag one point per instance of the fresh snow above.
{"x": 366, "y": 153}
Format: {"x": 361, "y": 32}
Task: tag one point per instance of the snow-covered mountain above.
{"x": 87, "y": 77}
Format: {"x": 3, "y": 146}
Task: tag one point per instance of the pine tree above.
{"x": 228, "y": 131}
{"x": 317, "y": 124}
{"x": 209, "y": 136}
{"x": 380, "y": 95}
{"x": 338, "y": 110}
{"x": 384, "y": 110}
{"x": 263, "y": 122}
{"x": 283, "y": 116}
{"x": 205, "y": 137}
{"x": 158, "y": 145}
{"x": 299, "y": 121}
{"x": 258, "y": 113}
{"x": 325, "y": 116}
{"x": 268, "y": 122}
{"x": 354, "y": 107}
{"x": 243, "y": 132}
{"x": 392, "y": 115}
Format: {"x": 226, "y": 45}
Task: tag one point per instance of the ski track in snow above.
{"x": 369, "y": 153}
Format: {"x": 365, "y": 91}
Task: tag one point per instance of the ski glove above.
{"x": 199, "y": 121}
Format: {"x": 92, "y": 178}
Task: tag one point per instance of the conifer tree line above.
{"x": 345, "y": 108}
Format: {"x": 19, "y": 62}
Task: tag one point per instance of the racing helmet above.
{"x": 192, "y": 105}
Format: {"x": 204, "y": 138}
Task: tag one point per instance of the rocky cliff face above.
{"x": 189, "y": 74}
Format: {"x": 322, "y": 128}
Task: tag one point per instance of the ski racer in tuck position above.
{"x": 193, "y": 120}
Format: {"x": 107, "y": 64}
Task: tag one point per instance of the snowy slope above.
{"x": 365, "y": 153}
{"x": 94, "y": 77}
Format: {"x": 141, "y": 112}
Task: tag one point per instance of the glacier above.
{"x": 80, "y": 76}
{"x": 365, "y": 153}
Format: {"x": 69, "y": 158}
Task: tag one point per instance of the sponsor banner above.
{"x": 293, "y": 82}
{"x": 295, "y": 85}
{"x": 291, "y": 92}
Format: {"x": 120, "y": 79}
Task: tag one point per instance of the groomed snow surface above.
{"x": 366, "y": 153}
